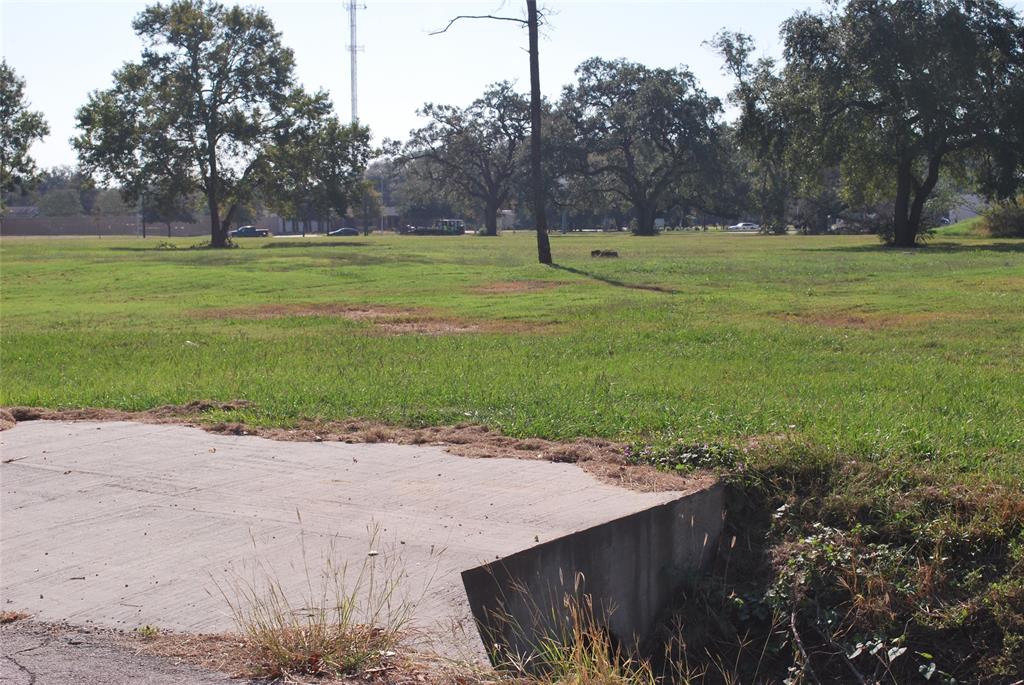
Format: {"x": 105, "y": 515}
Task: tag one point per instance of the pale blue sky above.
{"x": 66, "y": 49}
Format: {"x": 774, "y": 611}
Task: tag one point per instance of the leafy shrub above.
{"x": 683, "y": 457}
{"x": 1005, "y": 220}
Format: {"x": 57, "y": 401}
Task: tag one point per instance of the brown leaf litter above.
{"x": 604, "y": 459}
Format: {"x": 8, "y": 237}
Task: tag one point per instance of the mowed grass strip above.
{"x": 872, "y": 352}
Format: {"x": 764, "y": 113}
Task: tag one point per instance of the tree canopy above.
{"x": 475, "y": 153}
{"x": 19, "y": 128}
{"x": 211, "y": 107}
{"x": 892, "y": 92}
{"x": 639, "y": 133}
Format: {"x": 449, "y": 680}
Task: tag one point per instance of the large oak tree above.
{"x": 204, "y": 109}
{"x": 640, "y": 133}
{"x": 475, "y": 153}
{"x": 896, "y": 91}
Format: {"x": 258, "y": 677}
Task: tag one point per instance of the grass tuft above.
{"x": 344, "y": 622}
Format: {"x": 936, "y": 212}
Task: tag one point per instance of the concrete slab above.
{"x": 124, "y": 524}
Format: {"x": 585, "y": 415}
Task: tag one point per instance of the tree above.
{"x": 536, "y": 143}
{"x": 19, "y": 128}
{"x": 319, "y": 169}
{"x": 896, "y": 91}
{"x": 166, "y": 206}
{"x": 213, "y": 94}
{"x": 537, "y": 187}
{"x": 475, "y": 152}
{"x": 639, "y": 132}
{"x": 109, "y": 202}
{"x": 60, "y": 202}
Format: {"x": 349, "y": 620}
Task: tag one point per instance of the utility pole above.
{"x": 353, "y": 49}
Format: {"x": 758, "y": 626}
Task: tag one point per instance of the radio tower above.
{"x": 354, "y": 49}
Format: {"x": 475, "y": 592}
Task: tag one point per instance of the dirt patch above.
{"x": 385, "y": 320}
{"x": 870, "y": 320}
{"x": 277, "y": 311}
{"x": 506, "y": 287}
{"x": 604, "y": 459}
{"x": 426, "y": 327}
{"x": 168, "y": 413}
{"x": 111, "y": 655}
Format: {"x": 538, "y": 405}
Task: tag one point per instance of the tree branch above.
{"x": 476, "y": 16}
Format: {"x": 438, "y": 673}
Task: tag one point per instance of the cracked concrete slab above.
{"x": 125, "y": 524}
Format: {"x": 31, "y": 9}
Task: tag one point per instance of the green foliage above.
{"x": 682, "y": 457}
{"x": 700, "y": 339}
{"x": 1005, "y": 220}
{"x": 893, "y": 93}
{"x": 61, "y": 202}
{"x": 647, "y": 136}
{"x": 473, "y": 154}
{"x": 212, "y": 108}
{"x": 19, "y": 128}
{"x": 884, "y": 569}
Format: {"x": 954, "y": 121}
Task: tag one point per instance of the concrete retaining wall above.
{"x": 630, "y": 567}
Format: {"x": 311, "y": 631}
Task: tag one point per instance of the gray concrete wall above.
{"x": 631, "y": 567}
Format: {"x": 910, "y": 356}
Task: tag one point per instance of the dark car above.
{"x": 249, "y": 232}
{"x": 344, "y": 231}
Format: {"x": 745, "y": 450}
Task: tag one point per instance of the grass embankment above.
{"x": 877, "y": 393}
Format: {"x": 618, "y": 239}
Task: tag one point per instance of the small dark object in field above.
{"x": 604, "y": 253}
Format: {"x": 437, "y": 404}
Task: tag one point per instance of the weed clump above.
{"x": 343, "y": 622}
{"x": 834, "y": 570}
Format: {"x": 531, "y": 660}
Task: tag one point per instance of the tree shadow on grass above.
{"x": 318, "y": 244}
{"x": 615, "y": 282}
{"x": 927, "y": 248}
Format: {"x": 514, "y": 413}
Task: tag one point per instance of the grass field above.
{"x": 715, "y": 338}
{"x": 878, "y": 509}
{"x": 837, "y": 341}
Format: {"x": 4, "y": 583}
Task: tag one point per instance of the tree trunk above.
{"x": 218, "y": 234}
{"x": 904, "y": 234}
{"x": 644, "y": 220}
{"x": 924, "y": 191}
{"x": 536, "y": 172}
{"x": 491, "y": 218}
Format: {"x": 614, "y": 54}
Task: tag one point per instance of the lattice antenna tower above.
{"x": 354, "y": 49}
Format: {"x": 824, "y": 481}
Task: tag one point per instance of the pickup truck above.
{"x": 249, "y": 232}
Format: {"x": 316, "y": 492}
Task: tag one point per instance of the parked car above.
{"x": 344, "y": 231}
{"x": 745, "y": 226}
{"x": 249, "y": 232}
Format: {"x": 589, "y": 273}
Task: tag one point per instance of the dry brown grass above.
{"x": 604, "y": 459}
{"x": 8, "y": 616}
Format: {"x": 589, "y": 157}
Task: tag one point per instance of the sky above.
{"x": 65, "y": 50}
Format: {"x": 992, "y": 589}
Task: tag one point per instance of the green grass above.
{"x": 974, "y": 227}
{"x": 872, "y": 352}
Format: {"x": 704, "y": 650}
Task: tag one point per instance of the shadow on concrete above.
{"x": 615, "y": 282}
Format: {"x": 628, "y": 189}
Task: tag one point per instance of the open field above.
{"x": 877, "y": 509}
{"x": 837, "y": 341}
